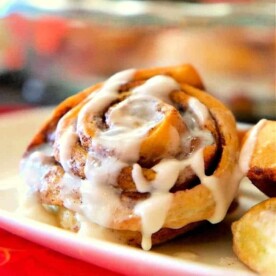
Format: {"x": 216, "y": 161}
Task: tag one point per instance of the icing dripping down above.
{"x": 111, "y": 149}
{"x": 68, "y": 140}
{"x": 153, "y": 212}
{"x": 199, "y": 109}
{"x": 127, "y": 127}
{"x": 223, "y": 189}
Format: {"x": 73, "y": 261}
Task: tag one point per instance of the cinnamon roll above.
{"x": 147, "y": 153}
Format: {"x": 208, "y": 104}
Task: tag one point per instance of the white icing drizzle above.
{"x": 34, "y": 167}
{"x": 167, "y": 172}
{"x": 159, "y": 87}
{"x": 69, "y": 186}
{"x": 223, "y": 189}
{"x": 248, "y": 147}
{"x": 134, "y": 112}
{"x": 128, "y": 123}
{"x": 153, "y": 212}
{"x": 199, "y": 109}
{"x": 67, "y": 141}
{"x": 102, "y": 98}
{"x": 99, "y": 201}
{"x": 118, "y": 146}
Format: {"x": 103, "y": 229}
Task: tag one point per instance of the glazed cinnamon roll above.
{"x": 146, "y": 153}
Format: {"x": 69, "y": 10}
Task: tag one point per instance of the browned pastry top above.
{"x": 144, "y": 151}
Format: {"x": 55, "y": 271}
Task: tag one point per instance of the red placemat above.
{"x": 22, "y": 257}
{"x": 13, "y": 108}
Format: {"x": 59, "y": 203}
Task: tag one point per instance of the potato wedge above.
{"x": 255, "y": 237}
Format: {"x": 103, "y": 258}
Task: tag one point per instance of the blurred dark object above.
{"x": 14, "y": 79}
{"x": 64, "y": 47}
{"x": 10, "y": 86}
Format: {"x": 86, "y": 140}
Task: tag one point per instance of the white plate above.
{"x": 207, "y": 251}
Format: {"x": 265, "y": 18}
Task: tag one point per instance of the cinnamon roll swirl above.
{"x": 146, "y": 153}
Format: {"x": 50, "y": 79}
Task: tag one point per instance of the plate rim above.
{"x": 22, "y": 226}
{"x": 156, "y": 263}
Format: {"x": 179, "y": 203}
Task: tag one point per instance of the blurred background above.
{"x": 50, "y": 50}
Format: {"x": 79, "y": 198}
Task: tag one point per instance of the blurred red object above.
{"x": 12, "y": 108}
{"x": 14, "y": 57}
{"x": 48, "y": 34}
{"x": 19, "y": 27}
{"x": 21, "y": 257}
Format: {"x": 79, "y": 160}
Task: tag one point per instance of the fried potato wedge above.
{"x": 254, "y": 238}
{"x": 262, "y": 164}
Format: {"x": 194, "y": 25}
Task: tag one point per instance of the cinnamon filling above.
{"x": 126, "y": 150}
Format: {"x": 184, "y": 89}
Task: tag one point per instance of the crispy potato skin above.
{"x": 265, "y": 146}
{"x": 262, "y": 167}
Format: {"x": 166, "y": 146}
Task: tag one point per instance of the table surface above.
{"x": 22, "y": 257}
{"x": 19, "y": 256}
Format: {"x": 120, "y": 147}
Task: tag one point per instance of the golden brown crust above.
{"x": 163, "y": 235}
{"x": 192, "y": 201}
{"x": 46, "y": 130}
{"x": 254, "y": 237}
{"x": 226, "y": 127}
{"x": 241, "y": 135}
{"x": 183, "y": 73}
{"x": 67, "y": 220}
